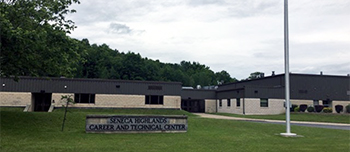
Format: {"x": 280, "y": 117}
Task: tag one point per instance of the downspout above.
{"x": 243, "y": 100}
{"x": 216, "y": 101}
{"x": 243, "y": 106}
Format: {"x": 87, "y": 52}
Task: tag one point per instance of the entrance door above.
{"x": 193, "y": 105}
{"x": 42, "y": 101}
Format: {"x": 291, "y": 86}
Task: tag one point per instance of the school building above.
{"x": 264, "y": 95}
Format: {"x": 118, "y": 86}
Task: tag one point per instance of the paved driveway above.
{"x": 297, "y": 123}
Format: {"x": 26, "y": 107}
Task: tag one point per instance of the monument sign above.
{"x": 135, "y": 124}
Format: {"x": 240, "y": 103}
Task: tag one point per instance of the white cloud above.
{"x": 241, "y": 36}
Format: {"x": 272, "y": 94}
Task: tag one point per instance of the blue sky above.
{"x": 240, "y": 36}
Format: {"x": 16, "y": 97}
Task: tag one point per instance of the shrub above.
{"x": 296, "y": 109}
{"x": 318, "y": 108}
{"x": 327, "y": 110}
{"x": 293, "y": 107}
{"x": 339, "y": 108}
{"x": 302, "y": 107}
{"x": 347, "y": 108}
{"x": 310, "y": 109}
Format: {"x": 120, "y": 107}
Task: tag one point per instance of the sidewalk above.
{"x": 301, "y": 123}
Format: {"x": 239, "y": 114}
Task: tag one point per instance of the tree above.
{"x": 133, "y": 67}
{"x": 204, "y": 78}
{"x": 68, "y": 100}
{"x": 224, "y": 77}
{"x": 256, "y": 75}
{"x": 34, "y": 40}
{"x": 152, "y": 70}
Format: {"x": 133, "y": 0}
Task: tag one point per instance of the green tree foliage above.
{"x": 33, "y": 38}
{"x": 100, "y": 61}
{"x": 224, "y": 77}
{"x": 255, "y": 75}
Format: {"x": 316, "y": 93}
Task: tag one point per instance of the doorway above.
{"x": 41, "y": 101}
{"x": 193, "y": 105}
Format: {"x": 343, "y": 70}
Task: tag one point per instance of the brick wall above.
{"x": 112, "y": 100}
{"x": 311, "y": 103}
{"x": 57, "y": 98}
{"x": 121, "y": 101}
{"x": 252, "y": 107}
{"x": 237, "y": 109}
{"x": 172, "y": 102}
{"x": 307, "y": 102}
{"x": 275, "y": 106}
{"x": 210, "y": 106}
{"x": 19, "y": 99}
{"x": 231, "y": 109}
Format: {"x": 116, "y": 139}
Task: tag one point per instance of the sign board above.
{"x": 135, "y": 124}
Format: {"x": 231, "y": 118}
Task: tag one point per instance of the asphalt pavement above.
{"x": 340, "y": 126}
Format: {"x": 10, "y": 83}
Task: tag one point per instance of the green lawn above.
{"x": 41, "y": 132}
{"x": 313, "y": 117}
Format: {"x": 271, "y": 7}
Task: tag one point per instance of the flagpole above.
{"x": 286, "y": 71}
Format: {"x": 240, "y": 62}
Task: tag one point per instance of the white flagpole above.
{"x": 286, "y": 70}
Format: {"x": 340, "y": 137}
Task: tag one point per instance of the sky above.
{"x": 238, "y": 36}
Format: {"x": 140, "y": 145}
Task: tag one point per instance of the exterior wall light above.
{"x": 65, "y": 87}
{"x": 3, "y": 84}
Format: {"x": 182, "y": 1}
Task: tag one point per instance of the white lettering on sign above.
{"x": 136, "y": 123}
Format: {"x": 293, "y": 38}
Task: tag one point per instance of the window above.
{"x": 84, "y": 98}
{"x": 220, "y": 103}
{"x": 327, "y": 103}
{"x": 229, "y": 102}
{"x": 154, "y": 99}
{"x": 264, "y": 103}
{"x": 238, "y": 102}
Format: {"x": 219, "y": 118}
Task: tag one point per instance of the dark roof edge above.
{"x": 228, "y": 90}
{"x": 323, "y": 75}
{"x": 280, "y": 75}
{"x": 242, "y": 81}
{"x": 93, "y": 79}
{"x": 199, "y": 90}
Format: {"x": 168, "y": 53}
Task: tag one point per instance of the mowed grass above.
{"x": 299, "y": 116}
{"x": 39, "y": 131}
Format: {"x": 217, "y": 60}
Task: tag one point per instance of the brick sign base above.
{"x": 135, "y": 124}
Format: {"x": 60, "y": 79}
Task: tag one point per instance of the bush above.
{"x": 347, "y": 108}
{"x": 327, "y": 110}
{"x": 296, "y": 109}
{"x": 302, "y": 107}
{"x": 318, "y": 108}
{"x": 310, "y": 109}
{"x": 339, "y": 108}
{"x": 293, "y": 107}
